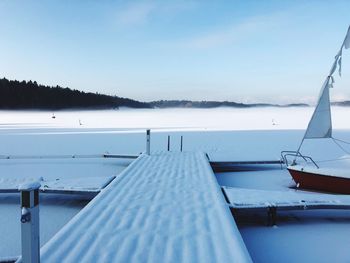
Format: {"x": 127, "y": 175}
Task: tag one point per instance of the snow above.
{"x": 29, "y": 186}
{"x": 82, "y": 184}
{"x": 88, "y": 184}
{"x": 51, "y": 170}
{"x": 255, "y": 198}
{"x": 166, "y": 207}
{"x": 300, "y": 236}
{"x": 271, "y": 179}
{"x": 55, "y": 211}
{"x": 223, "y": 118}
{"x": 225, "y": 134}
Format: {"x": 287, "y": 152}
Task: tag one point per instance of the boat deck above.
{"x": 166, "y": 207}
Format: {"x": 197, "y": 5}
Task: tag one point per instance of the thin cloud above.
{"x": 135, "y": 14}
{"x": 233, "y": 33}
{"x": 139, "y": 13}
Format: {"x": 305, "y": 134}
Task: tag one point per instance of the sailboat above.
{"x": 320, "y": 127}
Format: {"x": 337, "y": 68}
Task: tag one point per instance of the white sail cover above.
{"x": 347, "y": 40}
{"x": 320, "y": 125}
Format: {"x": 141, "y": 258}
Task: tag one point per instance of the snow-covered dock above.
{"x": 240, "y": 198}
{"x": 83, "y": 185}
{"x": 272, "y": 201}
{"x": 166, "y": 207}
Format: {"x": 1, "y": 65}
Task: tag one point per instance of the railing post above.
{"x": 148, "y": 142}
{"x": 30, "y": 236}
{"x": 168, "y": 143}
{"x": 181, "y": 143}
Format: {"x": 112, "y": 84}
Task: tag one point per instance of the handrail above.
{"x": 296, "y": 154}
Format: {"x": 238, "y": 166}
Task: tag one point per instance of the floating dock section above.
{"x": 165, "y": 207}
{"x": 249, "y": 199}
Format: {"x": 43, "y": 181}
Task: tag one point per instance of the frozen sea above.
{"x": 223, "y": 133}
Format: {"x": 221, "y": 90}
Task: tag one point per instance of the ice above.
{"x": 225, "y": 134}
{"x": 223, "y": 118}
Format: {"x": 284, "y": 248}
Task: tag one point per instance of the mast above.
{"x": 323, "y": 103}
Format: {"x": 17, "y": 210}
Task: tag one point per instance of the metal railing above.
{"x": 296, "y": 155}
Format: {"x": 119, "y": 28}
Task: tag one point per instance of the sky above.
{"x": 244, "y": 51}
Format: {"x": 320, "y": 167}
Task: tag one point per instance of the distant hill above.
{"x": 345, "y": 103}
{"x": 215, "y": 104}
{"x": 30, "y": 95}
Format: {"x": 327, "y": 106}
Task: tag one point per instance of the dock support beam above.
{"x": 272, "y": 216}
{"x": 30, "y": 236}
{"x": 148, "y": 142}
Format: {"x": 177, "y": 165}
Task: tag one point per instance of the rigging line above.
{"x": 340, "y": 140}
{"x": 333, "y": 160}
{"x": 341, "y": 147}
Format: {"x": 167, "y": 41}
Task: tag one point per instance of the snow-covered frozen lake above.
{"x": 264, "y": 118}
{"x": 224, "y": 133}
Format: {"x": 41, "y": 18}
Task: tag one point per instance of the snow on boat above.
{"x": 320, "y": 127}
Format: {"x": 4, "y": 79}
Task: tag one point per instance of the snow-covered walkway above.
{"x": 167, "y": 207}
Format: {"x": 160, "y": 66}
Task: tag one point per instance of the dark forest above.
{"x": 30, "y": 95}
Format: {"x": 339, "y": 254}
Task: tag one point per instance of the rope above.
{"x": 340, "y": 140}
{"x": 341, "y": 147}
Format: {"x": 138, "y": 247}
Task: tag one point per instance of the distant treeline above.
{"x": 30, "y": 95}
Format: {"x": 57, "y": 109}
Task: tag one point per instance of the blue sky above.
{"x": 249, "y": 51}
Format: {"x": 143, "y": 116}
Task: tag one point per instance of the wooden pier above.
{"x": 164, "y": 207}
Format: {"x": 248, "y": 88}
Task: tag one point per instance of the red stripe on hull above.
{"x": 321, "y": 182}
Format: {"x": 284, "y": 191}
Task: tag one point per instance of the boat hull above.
{"x": 321, "y": 182}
